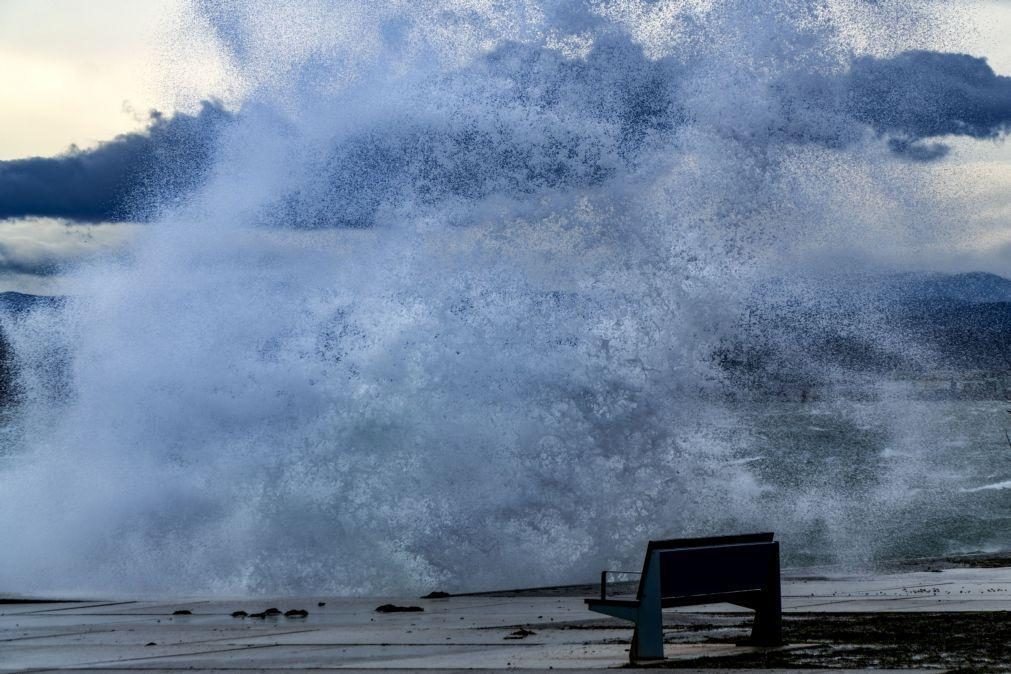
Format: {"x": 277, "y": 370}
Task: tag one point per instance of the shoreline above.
{"x": 972, "y": 560}
{"x": 926, "y": 619}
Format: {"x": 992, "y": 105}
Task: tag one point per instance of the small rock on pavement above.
{"x": 392, "y": 608}
{"x": 521, "y": 633}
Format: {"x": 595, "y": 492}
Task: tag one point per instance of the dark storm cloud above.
{"x": 521, "y": 120}
{"x": 909, "y": 101}
{"x": 119, "y": 179}
{"x": 924, "y": 94}
{"x": 527, "y": 119}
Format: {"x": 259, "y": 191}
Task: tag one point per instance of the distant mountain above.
{"x": 803, "y": 331}
{"x": 963, "y": 319}
{"x": 13, "y": 303}
{"x": 884, "y": 289}
{"x": 799, "y": 332}
{"x": 965, "y": 335}
{"x": 968, "y": 288}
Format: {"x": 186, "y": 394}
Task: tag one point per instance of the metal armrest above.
{"x": 603, "y": 580}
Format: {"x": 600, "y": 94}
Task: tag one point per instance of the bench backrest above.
{"x": 718, "y": 564}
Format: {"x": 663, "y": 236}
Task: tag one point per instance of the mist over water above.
{"x": 443, "y": 311}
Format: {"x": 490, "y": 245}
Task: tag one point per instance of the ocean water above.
{"x": 442, "y": 309}
{"x": 937, "y": 486}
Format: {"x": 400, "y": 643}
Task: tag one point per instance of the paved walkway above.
{"x": 470, "y": 632}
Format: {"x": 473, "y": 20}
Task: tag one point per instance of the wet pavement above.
{"x": 461, "y": 632}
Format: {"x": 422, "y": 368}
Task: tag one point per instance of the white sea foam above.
{"x": 1006, "y": 484}
{"x": 443, "y": 312}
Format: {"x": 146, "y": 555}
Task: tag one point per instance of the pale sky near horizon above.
{"x": 77, "y": 72}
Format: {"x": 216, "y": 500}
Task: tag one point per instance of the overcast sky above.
{"x": 79, "y": 72}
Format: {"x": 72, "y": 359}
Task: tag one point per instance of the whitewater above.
{"x": 441, "y": 311}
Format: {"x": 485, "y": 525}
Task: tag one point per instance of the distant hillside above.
{"x": 800, "y": 332}
{"x": 806, "y": 331}
{"x": 970, "y": 288}
{"x": 12, "y": 302}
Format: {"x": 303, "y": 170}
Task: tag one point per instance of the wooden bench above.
{"x": 741, "y": 570}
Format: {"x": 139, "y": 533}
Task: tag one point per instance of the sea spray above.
{"x": 444, "y": 308}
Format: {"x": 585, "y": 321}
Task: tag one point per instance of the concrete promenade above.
{"x": 464, "y": 632}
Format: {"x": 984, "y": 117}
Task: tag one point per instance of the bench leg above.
{"x": 768, "y": 627}
{"x": 647, "y": 638}
{"x": 767, "y": 630}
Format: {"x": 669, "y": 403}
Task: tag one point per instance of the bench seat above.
{"x": 745, "y": 599}
{"x": 739, "y": 570}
